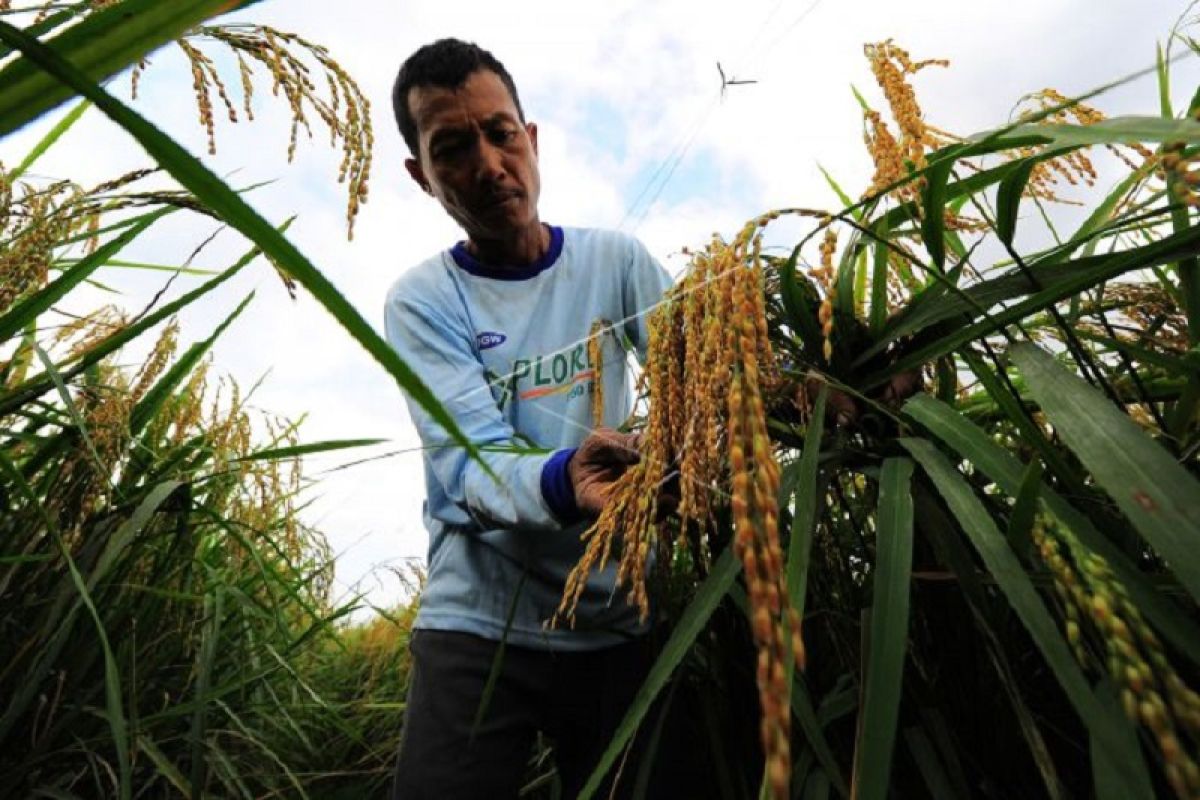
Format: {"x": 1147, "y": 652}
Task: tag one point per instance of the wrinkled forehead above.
{"x": 480, "y": 99}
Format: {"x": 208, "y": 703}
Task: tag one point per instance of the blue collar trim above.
{"x": 472, "y": 265}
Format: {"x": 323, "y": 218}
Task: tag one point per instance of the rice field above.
{"x": 985, "y": 588}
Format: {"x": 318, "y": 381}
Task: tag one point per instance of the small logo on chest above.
{"x": 489, "y": 339}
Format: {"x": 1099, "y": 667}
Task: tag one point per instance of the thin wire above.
{"x": 760, "y": 54}
{"x": 680, "y": 151}
{"x": 673, "y": 160}
{"x": 667, "y": 298}
{"x": 677, "y": 157}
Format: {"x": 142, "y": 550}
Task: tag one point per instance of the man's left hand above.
{"x": 601, "y": 459}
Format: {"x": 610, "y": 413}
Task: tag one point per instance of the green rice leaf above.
{"x": 925, "y": 756}
{"x": 104, "y": 43}
{"x": 60, "y": 620}
{"x": 1153, "y": 490}
{"x": 933, "y": 204}
{"x": 47, "y": 141}
{"x": 23, "y": 393}
{"x": 879, "y": 279}
{"x": 1008, "y": 199}
{"x": 805, "y": 516}
{"x": 1104, "y": 210}
{"x": 114, "y": 707}
{"x": 801, "y": 301}
{"x": 174, "y": 270}
{"x": 690, "y": 624}
{"x": 972, "y": 443}
{"x": 1114, "y": 130}
{"x": 1110, "y": 786}
{"x": 1057, "y": 282}
{"x": 164, "y": 766}
{"x": 882, "y": 685}
{"x": 205, "y": 659}
{"x": 1163, "y": 74}
{"x": 1049, "y": 281}
{"x": 841, "y": 195}
{"x": 810, "y": 725}
{"x": 276, "y": 453}
{"x": 1020, "y": 523}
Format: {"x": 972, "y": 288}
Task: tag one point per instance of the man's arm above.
{"x": 442, "y": 355}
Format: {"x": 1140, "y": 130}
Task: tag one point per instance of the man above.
{"x": 496, "y": 326}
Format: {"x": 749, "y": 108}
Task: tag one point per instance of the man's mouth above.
{"x": 500, "y": 198}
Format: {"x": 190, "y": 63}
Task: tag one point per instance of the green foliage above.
{"x": 1029, "y": 586}
{"x": 167, "y": 619}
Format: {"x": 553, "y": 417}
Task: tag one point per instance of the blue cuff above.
{"x": 556, "y": 486}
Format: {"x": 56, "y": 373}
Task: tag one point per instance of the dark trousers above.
{"x": 576, "y": 699}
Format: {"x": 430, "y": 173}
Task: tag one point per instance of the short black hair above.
{"x": 446, "y": 63}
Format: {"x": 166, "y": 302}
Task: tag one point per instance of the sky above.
{"x": 634, "y": 133}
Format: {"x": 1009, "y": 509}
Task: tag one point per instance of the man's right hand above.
{"x": 602, "y": 458}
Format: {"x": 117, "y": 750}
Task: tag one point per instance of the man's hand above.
{"x": 602, "y": 458}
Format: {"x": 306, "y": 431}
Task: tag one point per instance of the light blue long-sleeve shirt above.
{"x": 504, "y": 350}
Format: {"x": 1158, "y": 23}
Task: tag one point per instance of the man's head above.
{"x": 445, "y": 64}
{"x": 458, "y": 111}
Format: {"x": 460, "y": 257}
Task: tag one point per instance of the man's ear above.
{"x": 417, "y": 174}
{"x": 531, "y": 129}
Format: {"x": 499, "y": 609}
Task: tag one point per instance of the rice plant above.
{"x": 996, "y": 580}
{"x": 167, "y": 620}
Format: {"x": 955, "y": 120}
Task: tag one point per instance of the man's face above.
{"x": 476, "y": 157}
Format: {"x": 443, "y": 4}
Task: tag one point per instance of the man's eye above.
{"x": 448, "y": 150}
{"x": 502, "y": 135}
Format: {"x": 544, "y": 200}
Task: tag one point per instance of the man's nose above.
{"x": 491, "y": 161}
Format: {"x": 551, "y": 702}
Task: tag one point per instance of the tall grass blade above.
{"x": 923, "y": 753}
{"x": 1114, "y": 130}
{"x": 933, "y": 223}
{"x": 1024, "y": 512}
{"x": 810, "y": 725}
{"x": 841, "y": 195}
{"x": 205, "y": 659}
{"x": 23, "y": 393}
{"x": 883, "y": 682}
{"x": 947, "y": 541}
{"x": 708, "y": 596}
{"x": 1049, "y": 281}
{"x": 101, "y": 45}
{"x": 879, "y": 276}
{"x": 805, "y": 516}
{"x": 47, "y": 141}
{"x": 1110, "y": 786}
{"x": 1061, "y": 282}
{"x": 1008, "y": 199}
{"x": 277, "y": 453}
{"x": 59, "y": 625}
{"x": 164, "y": 766}
{"x": 972, "y": 443}
{"x": 800, "y": 300}
{"x": 1150, "y": 487}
